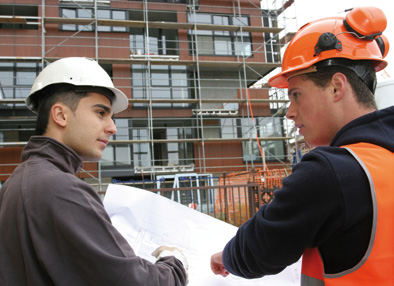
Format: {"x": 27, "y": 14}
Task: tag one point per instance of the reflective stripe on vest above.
{"x": 377, "y": 265}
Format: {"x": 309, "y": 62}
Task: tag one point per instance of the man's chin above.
{"x": 92, "y": 158}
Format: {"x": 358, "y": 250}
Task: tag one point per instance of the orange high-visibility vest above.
{"x": 377, "y": 265}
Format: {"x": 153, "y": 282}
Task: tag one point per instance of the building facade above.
{"x": 188, "y": 67}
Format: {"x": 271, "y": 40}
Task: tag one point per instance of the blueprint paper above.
{"x": 148, "y": 220}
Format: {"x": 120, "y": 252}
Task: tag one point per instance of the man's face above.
{"x": 311, "y": 109}
{"x": 89, "y": 128}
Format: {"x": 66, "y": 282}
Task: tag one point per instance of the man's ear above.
{"x": 338, "y": 86}
{"x": 59, "y": 114}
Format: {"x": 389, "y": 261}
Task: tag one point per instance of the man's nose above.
{"x": 290, "y": 114}
{"x": 111, "y": 129}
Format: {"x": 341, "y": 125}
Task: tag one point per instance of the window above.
{"x": 172, "y": 153}
{"x": 165, "y": 154}
{"x": 88, "y": 13}
{"x": 160, "y": 42}
{"x": 16, "y": 130}
{"x": 141, "y": 151}
{"x": 266, "y": 127}
{"x": 161, "y": 82}
{"x": 16, "y": 79}
{"x": 23, "y": 12}
{"x": 272, "y": 45}
{"x": 220, "y": 43}
{"x": 229, "y": 127}
{"x": 118, "y": 155}
{"x": 272, "y": 127}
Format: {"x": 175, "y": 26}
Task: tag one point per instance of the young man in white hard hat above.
{"x": 54, "y": 228}
{"x": 336, "y": 209}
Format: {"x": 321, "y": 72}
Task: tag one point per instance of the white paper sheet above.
{"x": 148, "y": 220}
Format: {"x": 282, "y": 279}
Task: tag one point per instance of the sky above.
{"x": 309, "y": 10}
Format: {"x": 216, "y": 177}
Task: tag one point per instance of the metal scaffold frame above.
{"x": 243, "y": 64}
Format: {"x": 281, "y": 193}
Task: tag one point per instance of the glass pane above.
{"x": 205, "y": 45}
{"x": 104, "y": 14}
{"x": 179, "y": 79}
{"x": 172, "y": 133}
{"x": 119, "y": 15}
{"x": 171, "y": 147}
{"x": 229, "y": 128}
{"x": 161, "y": 93}
{"x": 22, "y": 93}
{"x": 85, "y": 13}
{"x": 240, "y": 21}
{"x": 122, "y": 155}
{"x": 250, "y": 151}
{"x": 160, "y": 79}
{"x": 122, "y": 126}
{"x": 108, "y": 156}
{"x": 138, "y": 79}
{"x": 180, "y": 93}
{"x": 137, "y": 44}
{"x": 141, "y": 159}
{"x": 119, "y": 29}
{"x": 200, "y": 18}
{"x": 7, "y": 78}
{"x": 153, "y": 46}
{"x": 173, "y": 158}
{"x": 221, "y": 20}
{"x": 7, "y": 92}
{"x": 139, "y": 93}
{"x": 68, "y": 13}
{"x": 104, "y": 28}
{"x": 223, "y": 46}
{"x": 25, "y": 78}
{"x": 140, "y": 134}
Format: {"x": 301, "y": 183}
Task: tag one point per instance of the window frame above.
{"x": 91, "y": 27}
{"x": 218, "y": 36}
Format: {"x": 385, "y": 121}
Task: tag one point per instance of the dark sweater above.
{"x": 55, "y": 230}
{"x": 324, "y": 203}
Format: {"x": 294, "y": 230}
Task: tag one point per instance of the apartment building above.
{"x": 192, "y": 70}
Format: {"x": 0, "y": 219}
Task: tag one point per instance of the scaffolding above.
{"x": 216, "y": 56}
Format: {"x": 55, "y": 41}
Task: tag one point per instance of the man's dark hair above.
{"x": 363, "y": 94}
{"x": 46, "y": 98}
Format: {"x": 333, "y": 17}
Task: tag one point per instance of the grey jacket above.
{"x": 54, "y": 229}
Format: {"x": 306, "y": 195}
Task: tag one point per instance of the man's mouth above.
{"x": 299, "y": 126}
{"x": 104, "y": 141}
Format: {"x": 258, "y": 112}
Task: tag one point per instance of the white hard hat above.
{"x": 77, "y": 71}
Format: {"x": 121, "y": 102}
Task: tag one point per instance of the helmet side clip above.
{"x": 327, "y": 41}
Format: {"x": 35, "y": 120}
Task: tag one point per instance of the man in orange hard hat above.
{"x": 336, "y": 209}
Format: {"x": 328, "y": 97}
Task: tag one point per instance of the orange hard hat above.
{"x": 336, "y": 41}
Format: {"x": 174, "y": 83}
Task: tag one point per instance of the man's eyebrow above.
{"x": 291, "y": 91}
{"x": 105, "y": 107}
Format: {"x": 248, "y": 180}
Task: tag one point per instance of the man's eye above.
{"x": 295, "y": 95}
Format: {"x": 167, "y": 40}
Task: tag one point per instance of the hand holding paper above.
{"x": 148, "y": 220}
{"x": 217, "y": 264}
{"x": 163, "y": 251}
